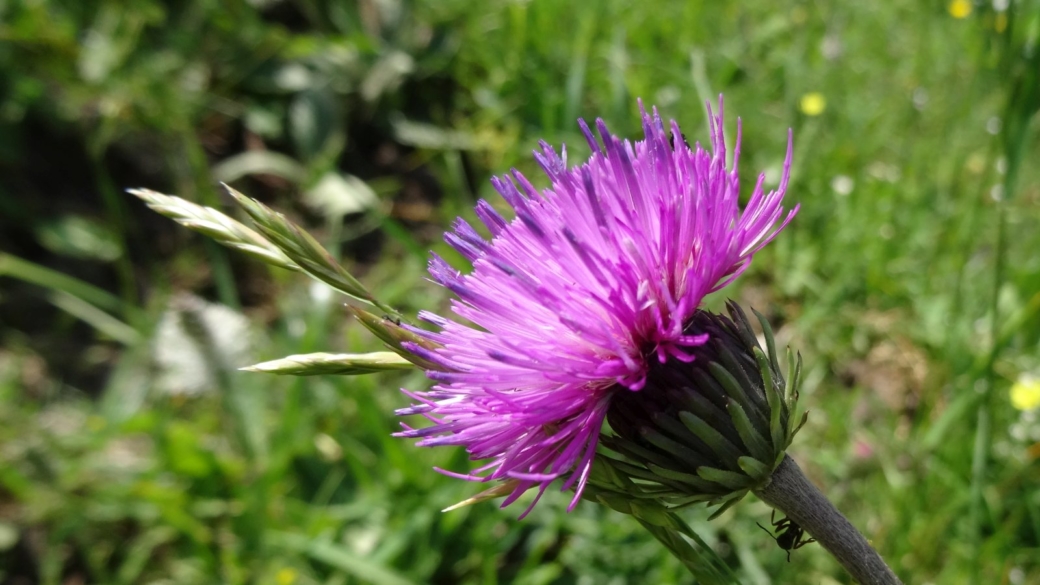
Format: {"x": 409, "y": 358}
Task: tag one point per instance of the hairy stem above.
{"x": 794, "y": 495}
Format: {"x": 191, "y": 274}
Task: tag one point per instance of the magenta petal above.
{"x": 595, "y": 277}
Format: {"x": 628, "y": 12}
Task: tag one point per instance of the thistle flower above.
{"x": 584, "y": 316}
{"x": 571, "y": 305}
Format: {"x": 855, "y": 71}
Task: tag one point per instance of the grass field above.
{"x": 133, "y": 451}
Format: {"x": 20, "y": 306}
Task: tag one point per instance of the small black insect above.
{"x": 671, "y": 140}
{"x": 393, "y": 320}
{"x": 788, "y": 534}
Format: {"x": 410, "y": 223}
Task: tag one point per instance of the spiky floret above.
{"x": 571, "y": 301}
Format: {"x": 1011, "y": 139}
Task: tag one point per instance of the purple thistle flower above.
{"x": 570, "y": 302}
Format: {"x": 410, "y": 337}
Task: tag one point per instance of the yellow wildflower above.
{"x": 1025, "y": 393}
{"x": 285, "y": 576}
{"x": 960, "y": 8}
{"x": 813, "y": 104}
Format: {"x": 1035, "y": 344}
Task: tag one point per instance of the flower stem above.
{"x": 794, "y": 495}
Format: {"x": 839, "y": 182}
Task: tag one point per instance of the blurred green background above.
{"x": 132, "y": 451}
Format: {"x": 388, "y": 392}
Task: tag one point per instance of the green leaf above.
{"x": 637, "y": 452}
{"x": 79, "y": 237}
{"x": 336, "y": 555}
{"x": 616, "y": 502}
{"x": 753, "y": 440}
{"x": 648, "y": 473}
{"x": 336, "y": 195}
{"x": 732, "y": 387}
{"x": 767, "y": 332}
{"x": 707, "y": 567}
{"x": 755, "y": 468}
{"x": 429, "y": 136}
{"x": 672, "y": 447}
{"x": 101, "y": 321}
{"x": 796, "y": 380}
{"x": 687, "y": 478}
{"x": 776, "y": 405}
{"x": 726, "y": 505}
{"x": 794, "y": 431}
{"x": 314, "y": 117}
{"x": 42, "y": 276}
{"x": 729, "y": 479}
{"x": 683, "y": 501}
{"x": 739, "y": 372}
{"x": 723, "y": 448}
{"x": 259, "y": 162}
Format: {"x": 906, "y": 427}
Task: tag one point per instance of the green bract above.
{"x": 710, "y": 430}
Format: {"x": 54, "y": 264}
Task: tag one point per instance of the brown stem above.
{"x": 793, "y": 494}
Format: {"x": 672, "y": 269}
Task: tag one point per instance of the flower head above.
{"x": 572, "y": 302}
